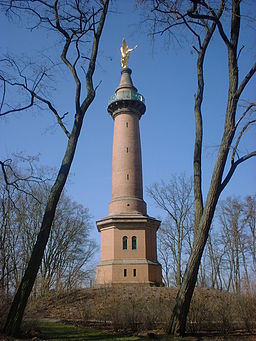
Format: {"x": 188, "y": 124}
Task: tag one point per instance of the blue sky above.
{"x": 167, "y": 79}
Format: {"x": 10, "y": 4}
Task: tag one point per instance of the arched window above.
{"x": 125, "y": 243}
{"x": 134, "y": 243}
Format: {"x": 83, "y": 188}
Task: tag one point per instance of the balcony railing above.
{"x": 126, "y": 95}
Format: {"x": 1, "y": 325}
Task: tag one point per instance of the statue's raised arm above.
{"x": 125, "y": 52}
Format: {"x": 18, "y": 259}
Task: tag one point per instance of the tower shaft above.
{"x": 126, "y": 108}
{"x": 127, "y": 188}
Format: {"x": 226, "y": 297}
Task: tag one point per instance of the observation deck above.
{"x": 124, "y": 100}
{"x": 126, "y": 97}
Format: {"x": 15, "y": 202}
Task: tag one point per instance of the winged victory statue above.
{"x": 125, "y": 52}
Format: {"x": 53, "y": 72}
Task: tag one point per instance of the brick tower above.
{"x": 128, "y": 234}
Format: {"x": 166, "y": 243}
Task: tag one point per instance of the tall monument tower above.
{"x": 128, "y": 234}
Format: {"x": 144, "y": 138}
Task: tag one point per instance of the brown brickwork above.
{"x": 128, "y": 234}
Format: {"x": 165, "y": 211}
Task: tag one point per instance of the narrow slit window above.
{"x": 126, "y": 124}
{"x": 125, "y": 243}
{"x": 125, "y": 272}
{"x": 127, "y": 149}
{"x": 134, "y": 272}
{"x": 127, "y": 176}
{"x": 134, "y": 243}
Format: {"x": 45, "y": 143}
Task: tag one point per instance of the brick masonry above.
{"x": 133, "y": 260}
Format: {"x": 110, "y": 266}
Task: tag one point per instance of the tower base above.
{"x": 128, "y": 250}
{"x": 147, "y": 272}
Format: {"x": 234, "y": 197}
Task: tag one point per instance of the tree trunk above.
{"x": 198, "y": 196}
{"x": 180, "y": 240}
{"x": 14, "y": 319}
{"x": 184, "y": 296}
{"x": 13, "y": 322}
{"x": 181, "y": 309}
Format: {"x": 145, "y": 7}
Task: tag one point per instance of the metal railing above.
{"x": 126, "y": 95}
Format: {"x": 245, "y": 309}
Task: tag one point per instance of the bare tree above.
{"x": 250, "y": 220}
{"x": 67, "y": 259}
{"x": 16, "y": 183}
{"x": 236, "y": 235}
{"x": 229, "y": 217}
{"x": 69, "y": 252}
{"x": 204, "y": 19}
{"x": 77, "y": 23}
{"x": 5, "y": 236}
{"x": 229, "y": 256}
{"x": 216, "y": 251}
{"x": 175, "y": 199}
{"x": 166, "y": 260}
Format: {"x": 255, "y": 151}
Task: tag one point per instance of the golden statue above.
{"x": 125, "y": 52}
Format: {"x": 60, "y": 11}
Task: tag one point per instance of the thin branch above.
{"x": 40, "y": 98}
{"x": 57, "y": 19}
{"x": 157, "y": 196}
{"x": 78, "y": 53}
{"x": 3, "y": 165}
{"x": 214, "y": 17}
{"x": 64, "y": 56}
{"x": 19, "y": 109}
{"x": 4, "y": 93}
{"x": 193, "y": 46}
{"x": 64, "y": 115}
{"x": 178, "y": 16}
{"x": 245, "y": 112}
{"x": 167, "y": 28}
{"x": 18, "y": 179}
{"x": 239, "y": 139}
{"x": 233, "y": 168}
{"x": 91, "y": 67}
{"x": 59, "y": 119}
{"x": 36, "y": 84}
{"x": 245, "y": 81}
{"x": 98, "y": 85}
{"x": 240, "y": 50}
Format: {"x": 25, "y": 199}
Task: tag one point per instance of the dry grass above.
{"x": 136, "y": 308}
{"x": 223, "y": 312}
